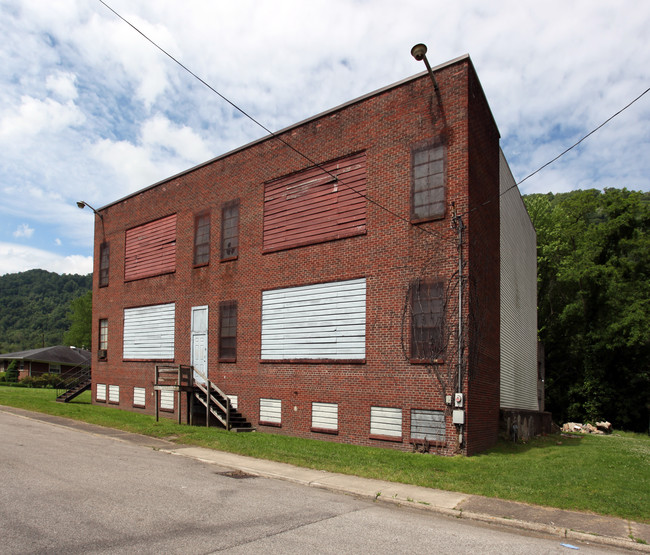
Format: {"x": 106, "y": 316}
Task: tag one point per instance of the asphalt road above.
{"x": 63, "y": 490}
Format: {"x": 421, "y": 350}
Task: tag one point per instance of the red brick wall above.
{"x": 391, "y": 254}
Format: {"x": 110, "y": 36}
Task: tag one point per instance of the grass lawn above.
{"x": 609, "y": 475}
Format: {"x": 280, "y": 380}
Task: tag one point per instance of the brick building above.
{"x": 321, "y": 292}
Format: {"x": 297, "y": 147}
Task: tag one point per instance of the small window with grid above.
{"x": 228, "y": 331}
{"x": 230, "y": 230}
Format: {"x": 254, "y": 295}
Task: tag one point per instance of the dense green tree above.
{"x": 80, "y": 316}
{"x": 594, "y": 303}
{"x": 34, "y": 307}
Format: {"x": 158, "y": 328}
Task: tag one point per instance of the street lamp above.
{"x": 82, "y": 204}
{"x": 419, "y": 52}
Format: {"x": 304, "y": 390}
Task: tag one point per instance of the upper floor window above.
{"x": 228, "y": 331}
{"x": 202, "y": 239}
{"x": 104, "y": 260}
{"x": 150, "y": 249}
{"x": 319, "y": 204}
{"x": 426, "y": 320}
{"x": 230, "y": 230}
{"x": 428, "y": 189}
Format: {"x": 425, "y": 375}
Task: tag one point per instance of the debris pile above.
{"x": 600, "y": 428}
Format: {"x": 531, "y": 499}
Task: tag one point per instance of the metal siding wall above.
{"x": 385, "y": 421}
{"x": 518, "y": 298}
{"x": 311, "y": 207}
{"x": 323, "y": 321}
{"x": 149, "y": 332}
{"x": 325, "y": 416}
{"x": 150, "y": 249}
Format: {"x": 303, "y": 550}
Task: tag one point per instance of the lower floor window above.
{"x": 386, "y": 422}
{"x": 167, "y": 400}
{"x": 114, "y": 394}
{"x": 428, "y": 425}
{"x": 325, "y": 417}
{"x": 271, "y": 412}
{"x": 139, "y": 397}
{"x": 101, "y": 392}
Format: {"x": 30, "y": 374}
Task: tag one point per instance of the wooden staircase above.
{"x": 218, "y": 407}
{"x": 74, "y": 385}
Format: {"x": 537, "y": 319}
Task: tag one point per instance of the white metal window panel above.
{"x": 385, "y": 421}
{"x": 428, "y": 424}
{"x": 113, "y": 393}
{"x": 322, "y": 321}
{"x": 271, "y": 411}
{"x": 518, "y": 292}
{"x": 149, "y": 332}
{"x": 167, "y": 399}
{"x": 233, "y": 401}
{"x": 139, "y": 396}
{"x": 325, "y": 416}
{"x": 101, "y": 392}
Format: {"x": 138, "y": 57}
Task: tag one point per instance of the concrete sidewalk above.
{"x": 569, "y": 526}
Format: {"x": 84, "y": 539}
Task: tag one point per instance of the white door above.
{"x": 200, "y": 342}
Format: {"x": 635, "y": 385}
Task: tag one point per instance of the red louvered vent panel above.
{"x": 312, "y": 207}
{"x": 150, "y": 249}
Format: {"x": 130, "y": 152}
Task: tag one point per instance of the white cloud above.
{"x": 62, "y": 84}
{"x": 23, "y": 231}
{"x": 34, "y": 116}
{"x": 57, "y": 242}
{"x": 17, "y": 258}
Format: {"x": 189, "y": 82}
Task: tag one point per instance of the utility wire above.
{"x": 559, "y": 155}
{"x": 271, "y": 133}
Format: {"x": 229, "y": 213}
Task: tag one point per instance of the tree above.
{"x": 594, "y": 303}
{"x": 80, "y": 316}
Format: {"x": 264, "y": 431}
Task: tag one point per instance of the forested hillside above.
{"x": 34, "y": 307}
{"x": 594, "y": 304}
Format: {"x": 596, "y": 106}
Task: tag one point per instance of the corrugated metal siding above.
{"x": 428, "y": 424}
{"x": 149, "y": 332}
{"x": 323, "y": 321}
{"x": 518, "y": 298}
{"x": 150, "y": 249}
{"x": 385, "y": 421}
{"x": 325, "y": 416}
{"x": 114, "y": 393}
{"x": 271, "y": 411}
{"x": 311, "y": 207}
{"x": 139, "y": 396}
{"x": 167, "y": 400}
{"x": 101, "y": 392}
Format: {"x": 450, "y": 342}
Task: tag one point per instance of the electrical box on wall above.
{"x": 458, "y": 400}
{"x": 448, "y": 400}
{"x": 459, "y": 417}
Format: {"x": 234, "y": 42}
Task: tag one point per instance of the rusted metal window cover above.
{"x": 150, "y": 249}
{"x": 312, "y": 207}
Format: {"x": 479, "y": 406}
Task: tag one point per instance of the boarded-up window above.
{"x": 311, "y": 206}
{"x": 202, "y": 239}
{"x": 101, "y": 392}
{"x": 271, "y": 412}
{"x": 428, "y": 192}
{"x": 149, "y": 332}
{"x": 325, "y": 417}
{"x": 104, "y": 261}
{"x": 139, "y": 397}
{"x": 427, "y": 307}
{"x": 150, "y": 249}
{"x": 386, "y": 421}
{"x": 322, "y": 321}
{"x": 428, "y": 424}
{"x": 166, "y": 400}
{"x": 230, "y": 230}
{"x": 228, "y": 331}
{"x": 234, "y": 401}
{"x": 114, "y": 394}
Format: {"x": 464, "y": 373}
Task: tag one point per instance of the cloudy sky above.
{"x": 89, "y": 110}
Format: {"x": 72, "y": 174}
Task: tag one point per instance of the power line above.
{"x": 558, "y": 156}
{"x": 271, "y": 133}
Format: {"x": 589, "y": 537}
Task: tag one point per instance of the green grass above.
{"x": 606, "y": 475}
